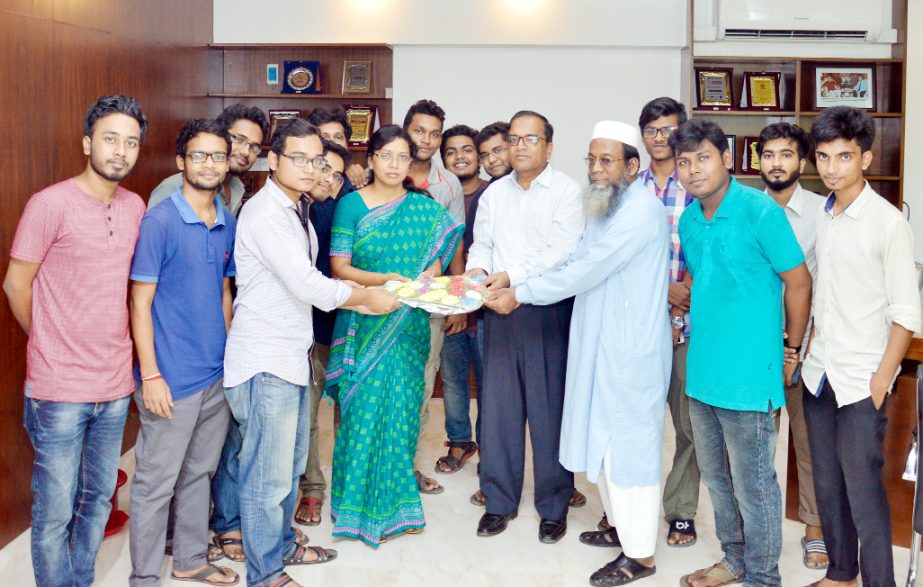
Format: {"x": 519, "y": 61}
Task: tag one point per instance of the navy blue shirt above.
{"x": 321, "y": 216}
{"x": 188, "y": 261}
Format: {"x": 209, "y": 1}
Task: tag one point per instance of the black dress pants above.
{"x": 525, "y": 360}
{"x": 846, "y": 454}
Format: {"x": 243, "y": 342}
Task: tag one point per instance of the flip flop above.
{"x": 717, "y": 571}
{"x": 683, "y": 528}
{"x": 209, "y": 571}
{"x": 813, "y": 547}
{"x": 313, "y": 506}
{"x": 324, "y": 555}
{"x": 422, "y": 481}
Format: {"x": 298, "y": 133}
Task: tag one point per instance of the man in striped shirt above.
{"x": 659, "y": 118}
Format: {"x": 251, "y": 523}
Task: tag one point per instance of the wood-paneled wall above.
{"x": 57, "y": 57}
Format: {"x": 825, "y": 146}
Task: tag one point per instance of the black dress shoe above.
{"x": 493, "y": 524}
{"x": 550, "y": 531}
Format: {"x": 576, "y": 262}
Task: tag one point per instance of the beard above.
{"x": 99, "y": 167}
{"x": 202, "y": 184}
{"x": 602, "y": 201}
{"x": 780, "y": 184}
{"x": 467, "y": 176}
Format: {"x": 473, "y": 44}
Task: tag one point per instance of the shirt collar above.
{"x": 435, "y": 174}
{"x": 648, "y": 175}
{"x": 278, "y": 194}
{"x": 543, "y": 179}
{"x": 188, "y": 214}
{"x": 857, "y": 205}
{"x": 796, "y": 202}
{"x": 729, "y": 204}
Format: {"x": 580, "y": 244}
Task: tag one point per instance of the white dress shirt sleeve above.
{"x": 900, "y": 277}
{"x": 480, "y": 254}
{"x": 284, "y": 253}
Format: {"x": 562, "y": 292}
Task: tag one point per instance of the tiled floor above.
{"x": 449, "y": 553}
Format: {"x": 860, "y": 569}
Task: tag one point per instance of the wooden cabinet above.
{"x": 797, "y": 101}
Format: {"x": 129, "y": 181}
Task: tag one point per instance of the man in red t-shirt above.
{"x": 67, "y": 285}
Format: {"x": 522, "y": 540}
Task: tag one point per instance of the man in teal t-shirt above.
{"x": 739, "y": 250}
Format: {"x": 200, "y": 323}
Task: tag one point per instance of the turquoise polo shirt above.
{"x": 735, "y": 355}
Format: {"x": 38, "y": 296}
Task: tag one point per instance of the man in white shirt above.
{"x": 866, "y": 309}
{"x": 782, "y": 148}
{"x": 266, "y": 362}
{"x": 423, "y": 122}
{"x": 528, "y": 222}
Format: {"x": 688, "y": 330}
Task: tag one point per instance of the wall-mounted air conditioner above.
{"x": 867, "y": 21}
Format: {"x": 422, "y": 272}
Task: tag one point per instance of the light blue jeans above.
{"x": 460, "y": 353}
{"x": 274, "y": 419}
{"x": 735, "y": 450}
{"x": 77, "y": 448}
{"x": 225, "y": 486}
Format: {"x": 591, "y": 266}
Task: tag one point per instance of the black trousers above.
{"x": 525, "y": 359}
{"x": 846, "y": 454}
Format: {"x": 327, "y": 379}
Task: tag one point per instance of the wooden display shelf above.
{"x": 763, "y": 113}
{"x": 350, "y": 97}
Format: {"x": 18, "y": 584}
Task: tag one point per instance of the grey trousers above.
{"x": 313, "y": 483}
{"x": 681, "y": 490}
{"x": 807, "y": 501}
{"x": 175, "y": 457}
{"x": 436, "y": 338}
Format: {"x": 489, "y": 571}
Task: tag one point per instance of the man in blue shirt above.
{"x": 180, "y": 312}
{"x": 739, "y": 250}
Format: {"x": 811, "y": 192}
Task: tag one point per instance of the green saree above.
{"x": 376, "y": 365}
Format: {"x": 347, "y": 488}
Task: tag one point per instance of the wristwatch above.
{"x": 677, "y": 322}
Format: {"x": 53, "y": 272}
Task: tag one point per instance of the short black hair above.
{"x": 457, "y": 131}
{"x": 117, "y": 104}
{"x": 235, "y": 112}
{"x": 324, "y": 115}
{"x": 629, "y": 152}
{"x": 692, "y": 133}
{"x": 788, "y": 131}
{"x": 844, "y": 122}
{"x": 296, "y": 127}
{"x": 549, "y": 130}
{"x": 198, "y": 126}
{"x": 343, "y": 152}
{"x": 424, "y": 107}
{"x": 663, "y": 106}
{"x": 492, "y": 130}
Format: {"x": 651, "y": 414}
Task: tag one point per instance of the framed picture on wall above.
{"x": 276, "y": 119}
{"x": 732, "y": 147}
{"x": 844, "y": 86}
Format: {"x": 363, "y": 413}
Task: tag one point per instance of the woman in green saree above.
{"x": 384, "y": 231}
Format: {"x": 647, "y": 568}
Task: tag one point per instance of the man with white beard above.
{"x": 618, "y": 363}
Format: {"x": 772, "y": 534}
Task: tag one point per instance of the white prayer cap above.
{"x": 618, "y": 131}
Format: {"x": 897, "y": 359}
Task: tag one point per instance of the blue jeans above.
{"x": 77, "y": 448}
{"x": 226, "y": 486}
{"x": 735, "y": 450}
{"x": 274, "y": 419}
{"x": 460, "y": 353}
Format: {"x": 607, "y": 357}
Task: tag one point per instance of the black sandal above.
{"x": 604, "y": 523}
{"x": 683, "y": 528}
{"x": 324, "y": 555}
{"x": 608, "y": 538}
{"x": 450, "y": 462}
{"x": 621, "y": 571}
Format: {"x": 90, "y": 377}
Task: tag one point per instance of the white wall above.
{"x": 913, "y": 125}
{"x": 453, "y": 22}
{"x": 573, "y": 86}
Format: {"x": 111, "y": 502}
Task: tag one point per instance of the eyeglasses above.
{"x": 335, "y": 175}
{"x": 531, "y": 140}
{"x": 664, "y": 131}
{"x": 201, "y": 156}
{"x": 495, "y": 152}
{"x": 386, "y": 157}
{"x": 239, "y": 140}
{"x": 606, "y": 162}
{"x": 302, "y": 161}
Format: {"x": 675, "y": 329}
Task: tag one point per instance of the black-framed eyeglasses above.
{"x": 531, "y": 140}
{"x": 201, "y": 156}
{"x": 495, "y": 152}
{"x": 255, "y": 148}
{"x": 664, "y": 131}
{"x": 335, "y": 175}
{"x": 606, "y": 162}
{"x": 302, "y": 161}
